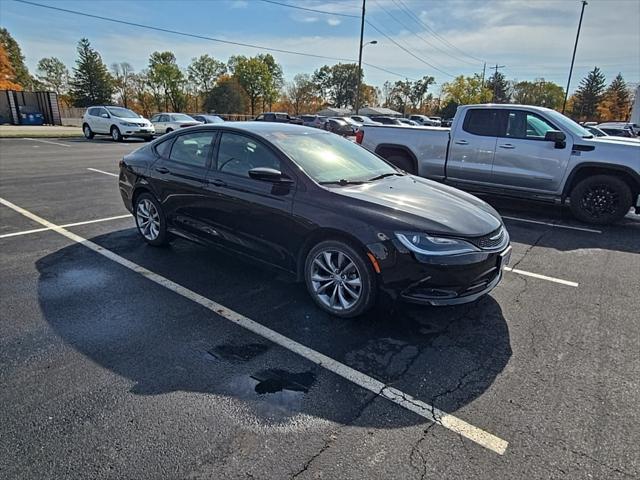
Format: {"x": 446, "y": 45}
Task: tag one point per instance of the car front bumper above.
{"x": 438, "y": 280}
{"x": 137, "y": 131}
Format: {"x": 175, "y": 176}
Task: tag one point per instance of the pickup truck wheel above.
{"x": 601, "y": 199}
{"x": 403, "y": 162}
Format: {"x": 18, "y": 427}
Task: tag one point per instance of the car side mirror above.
{"x": 269, "y": 175}
{"x": 105, "y": 115}
{"x": 557, "y": 137}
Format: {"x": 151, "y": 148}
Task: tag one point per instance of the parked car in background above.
{"x": 595, "y": 131}
{"x": 388, "y": 121}
{"x": 318, "y": 207}
{"x": 205, "y": 118}
{"x": 354, "y": 125}
{"x": 118, "y": 122}
{"x": 424, "y": 120}
{"x": 411, "y": 123}
{"x": 364, "y": 120}
{"x": 446, "y": 122}
{"x": 340, "y": 126}
{"x": 168, "y": 122}
{"x": 619, "y": 129}
{"x": 521, "y": 151}
{"x": 316, "y": 121}
{"x": 30, "y": 115}
{"x": 279, "y": 117}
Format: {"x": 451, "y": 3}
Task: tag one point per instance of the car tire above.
{"x": 150, "y": 220}
{"x": 349, "y": 290}
{"x": 600, "y": 199}
{"x": 403, "y": 162}
{"x": 169, "y": 130}
{"x": 88, "y": 133}
{"x": 115, "y": 134}
{"x": 148, "y": 139}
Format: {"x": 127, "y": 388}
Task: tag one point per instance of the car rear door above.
{"x": 524, "y": 159}
{"x": 473, "y": 146}
{"x": 252, "y": 216}
{"x": 178, "y": 178}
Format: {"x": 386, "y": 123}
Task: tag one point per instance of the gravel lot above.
{"x": 110, "y": 371}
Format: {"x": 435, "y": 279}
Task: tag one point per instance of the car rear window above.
{"x": 482, "y": 121}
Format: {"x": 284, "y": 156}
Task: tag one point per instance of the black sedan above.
{"x": 320, "y": 207}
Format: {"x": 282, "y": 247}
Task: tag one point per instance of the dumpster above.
{"x": 30, "y": 115}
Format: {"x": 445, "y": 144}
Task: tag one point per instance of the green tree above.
{"x": 203, "y": 73}
{"x": 538, "y": 92}
{"x": 167, "y": 81}
{"x": 449, "y": 110}
{"x": 122, "y": 81}
{"x": 301, "y": 91}
{"x": 252, "y": 74}
{"x": 226, "y": 97}
{"x": 91, "y": 83}
{"x": 419, "y": 90}
{"x": 337, "y": 84}
{"x": 466, "y": 90}
{"x": 21, "y": 74}
{"x": 499, "y": 87}
{"x": 589, "y": 95}
{"x": 616, "y": 104}
{"x": 272, "y": 83}
{"x": 53, "y": 75}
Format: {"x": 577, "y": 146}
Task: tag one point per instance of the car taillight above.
{"x": 359, "y": 136}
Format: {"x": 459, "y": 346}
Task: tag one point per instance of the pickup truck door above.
{"x": 524, "y": 160}
{"x": 473, "y": 145}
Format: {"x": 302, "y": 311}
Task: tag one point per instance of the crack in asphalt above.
{"x": 532, "y": 246}
{"x": 415, "y": 449}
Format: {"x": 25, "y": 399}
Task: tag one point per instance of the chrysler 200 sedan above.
{"x": 338, "y": 217}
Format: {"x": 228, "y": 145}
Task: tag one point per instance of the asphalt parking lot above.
{"x": 120, "y": 360}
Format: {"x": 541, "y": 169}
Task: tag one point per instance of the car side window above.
{"x": 155, "y": 118}
{"x": 192, "y": 149}
{"x": 260, "y": 117}
{"x": 164, "y": 148}
{"x": 164, "y": 118}
{"x": 238, "y": 154}
{"x": 93, "y": 112}
{"x": 527, "y": 125}
{"x": 102, "y": 111}
{"x": 482, "y": 121}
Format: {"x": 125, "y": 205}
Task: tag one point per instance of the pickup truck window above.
{"x": 482, "y": 121}
{"x": 527, "y": 125}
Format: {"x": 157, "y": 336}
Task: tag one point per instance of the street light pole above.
{"x": 573, "y": 58}
{"x": 360, "y": 58}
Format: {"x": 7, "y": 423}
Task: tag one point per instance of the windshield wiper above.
{"x": 384, "y": 175}
{"x": 343, "y": 182}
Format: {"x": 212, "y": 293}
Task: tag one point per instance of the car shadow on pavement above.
{"x": 163, "y": 343}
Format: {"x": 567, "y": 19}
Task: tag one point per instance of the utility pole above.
{"x": 495, "y": 83}
{"x": 573, "y": 58}
{"x": 484, "y": 68}
{"x": 360, "y": 58}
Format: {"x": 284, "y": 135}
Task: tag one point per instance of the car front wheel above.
{"x": 150, "y": 220}
{"x": 601, "y": 199}
{"x": 340, "y": 279}
{"x": 88, "y": 133}
{"x": 115, "y": 134}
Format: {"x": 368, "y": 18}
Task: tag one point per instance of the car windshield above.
{"x": 349, "y": 120}
{"x": 122, "y": 112}
{"x": 573, "y": 127}
{"x": 181, "y": 117}
{"x": 327, "y": 158}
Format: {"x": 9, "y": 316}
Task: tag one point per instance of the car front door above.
{"x": 524, "y": 159}
{"x": 253, "y": 216}
{"x": 473, "y": 146}
{"x": 103, "y": 121}
{"x": 178, "y": 178}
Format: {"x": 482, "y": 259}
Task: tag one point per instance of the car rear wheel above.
{"x": 340, "y": 279}
{"x": 169, "y": 130}
{"x": 601, "y": 199}
{"x": 403, "y": 162}
{"x": 150, "y": 220}
{"x": 115, "y": 134}
{"x": 88, "y": 133}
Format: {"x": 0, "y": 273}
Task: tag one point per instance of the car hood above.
{"x": 423, "y": 205}
{"x": 133, "y": 119}
{"x": 613, "y": 140}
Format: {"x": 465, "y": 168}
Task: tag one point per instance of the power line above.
{"x": 203, "y": 37}
{"x": 282, "y": 4}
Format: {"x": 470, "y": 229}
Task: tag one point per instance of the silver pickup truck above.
{"x": 520, "y": 151}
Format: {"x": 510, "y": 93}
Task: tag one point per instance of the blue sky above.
{"x": 532, "y": 39}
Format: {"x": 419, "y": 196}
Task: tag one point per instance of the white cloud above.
{"x": 239, "y": 4}
{"x": 334, "y": 22}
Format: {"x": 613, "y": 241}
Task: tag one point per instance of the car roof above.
{"x": 263, "y": 129}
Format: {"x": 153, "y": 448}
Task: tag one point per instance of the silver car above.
{"x": 168, "y": 122}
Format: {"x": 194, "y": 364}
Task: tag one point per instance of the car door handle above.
{"x": 162, "y": 170}
{"x": 506, "y": 145}
{"x": 461, "y": 142}
{"x": 217, "y": 182}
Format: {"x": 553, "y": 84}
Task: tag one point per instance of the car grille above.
{"x": 494, "y": 240}
{"x": 141, "y": 124}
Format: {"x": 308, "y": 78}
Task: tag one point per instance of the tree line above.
{"x": 249, "y": 85}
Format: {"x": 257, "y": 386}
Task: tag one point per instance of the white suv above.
{"x": 118, "y": 122}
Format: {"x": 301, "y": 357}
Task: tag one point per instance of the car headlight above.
{"x": 425, "y": 244}
{"x": 128, "y": 124}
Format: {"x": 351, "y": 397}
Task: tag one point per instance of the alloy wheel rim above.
{"x": 600, "y": 200}
{"x": 114, "y": 134}
{"x": 336, "y": 280}
{"x": 87, "y": 132}
{"x": 148, "y": 219}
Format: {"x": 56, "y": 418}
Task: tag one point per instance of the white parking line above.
{"x": 87, "y": 222}
{"x": 396, "y": 396}
{"x": 556, "y": 225}
{"x": 541, "y": 277}
{"x": 103, "y": 172}
{"x": 48, "y": 141}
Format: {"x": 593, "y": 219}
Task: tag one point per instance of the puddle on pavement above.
{"x": 276, "y": 380}
{"x": 235, "y": 353}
